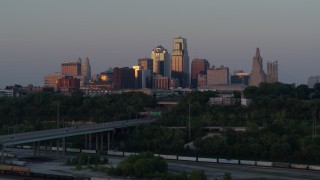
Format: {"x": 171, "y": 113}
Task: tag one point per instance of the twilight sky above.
{"x": 36, "y": 35}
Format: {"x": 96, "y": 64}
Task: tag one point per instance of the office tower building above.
{"x": 272, "y": 72}
{"x": 180, "y": 61}
{"x": 218, "y": 75}
{"x": 161, "y": 61}
{"x": 123, "y": 78}
{"x": 240, "y": 77}
{"x": 51, "y": 80}
{"x": 257, "y": 74}
{"x": 198, "y": 66}
{"x": 146, "y": 63}
{"x": 312, "y": 80}
{"x": 71, "y": 68}
{"x": 86, "y": 70}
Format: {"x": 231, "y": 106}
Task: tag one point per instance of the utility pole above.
{"x": 189, "y": 123}
{"x": 58, "y": 114}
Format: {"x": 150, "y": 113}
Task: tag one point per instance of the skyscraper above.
{"x": 86, "y": 70}
{"x": 257, "y": 74}
{"x": 198, "y": 66}
{"x": 161, "y": 61}
{"x": 71, "y": 68}
{"x": 180, "y": 61}
{"x": 272, "y": 72}
{"x": 146, "y": 64}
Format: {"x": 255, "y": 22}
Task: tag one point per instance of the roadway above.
{"x": 35, "y": 136}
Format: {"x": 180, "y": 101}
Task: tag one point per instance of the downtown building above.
{"x": 180, "y": 62}
{"x": 198, "y": 67}
{"x": 257, "y": 74}
{"x": 161, "y": 61}
{"x": 217, "y": 76}
{"x": 123, "y": 78}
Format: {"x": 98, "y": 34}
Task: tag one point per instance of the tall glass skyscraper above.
{"x": 180, "y": 61}
{"x": 161, "y": 61}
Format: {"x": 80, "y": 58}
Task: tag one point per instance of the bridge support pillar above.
{"x": 85, "y": 142}
{"x": 97, "y": 142}
{"x": 57, "y": 147}
{"x": 2, "y": 153}
{"x": 108, "y": 147}
{"x": 63, "y": 146}
{"x": 38, "y": 148}
{"x": 34, "y": 149}
{"x": 101, "y": 141}
{"x": 89, "y": 141}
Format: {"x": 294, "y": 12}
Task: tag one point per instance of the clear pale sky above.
{"x": 37, "y": 35}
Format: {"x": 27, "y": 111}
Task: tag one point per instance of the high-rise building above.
{"x": 71, "y": 68}
{"x": 201, "y": 80}
{"x": 240, "y": 77}
{"x": 218, "y": 75}
{"x": 51, "y": 80}
{"x": 161, "y": 61}
{"x": 180, "y": 61}
{"x": 146, "y": 63}
{"x": 198, "y": 66}
{"x": 312, "y": 80}
{"x": 257, "y": 74}
{"x": 272, "y": 72}
{"x": 123, "y": 78}
{"x": 86, "y": 70}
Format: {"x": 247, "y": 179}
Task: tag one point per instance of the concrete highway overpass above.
{"x": 62, "y": 133}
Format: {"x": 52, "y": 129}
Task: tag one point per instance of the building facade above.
{"x": 257, "y": 75}
{"x": 218, "y": 75}
{"x": 161, "y": 61}
{"x": 71, "y": 68}
{"x": 240, "y": 77}
{"x": 86, "y": 70}
{"x": 123, "y": 78}
{"x": 180, "y": 61}
{"x": 198, "y": 66}
{"x": 160, "y": 82}
{"x": 68, "y": 84}
{"x": 146, "y": 64}
{"x": 272, "y": 72}
{"x": 51, "y": 80}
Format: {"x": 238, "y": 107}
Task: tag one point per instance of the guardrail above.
{"x": 201, "y": 159}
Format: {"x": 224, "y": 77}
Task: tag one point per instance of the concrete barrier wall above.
{"x": 264, "y": 163}
{"x": 299, "y": 166}
{"x": 186, "y": 158}
{"x": 281, "y": 164}
{"x": 247, "y": 162}
{"x": 229, "y": 161}
{"x": 213, "y": 160}
{"x": 313, "y": 167}
{"x": 26, "y": 147}
{"x": 126, "y": 154}
{"x": 88, "y": 151}
{"x": 73, "y": 150}
{"x": 170, "y": 157}
{"x": 116, "y": 153}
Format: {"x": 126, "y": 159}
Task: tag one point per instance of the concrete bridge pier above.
{"x": 101, "y": 141}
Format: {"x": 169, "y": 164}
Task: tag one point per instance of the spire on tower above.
{"x": 257, "y": 52}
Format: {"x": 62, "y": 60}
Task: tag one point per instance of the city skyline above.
{"x": 36, "y": 36}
